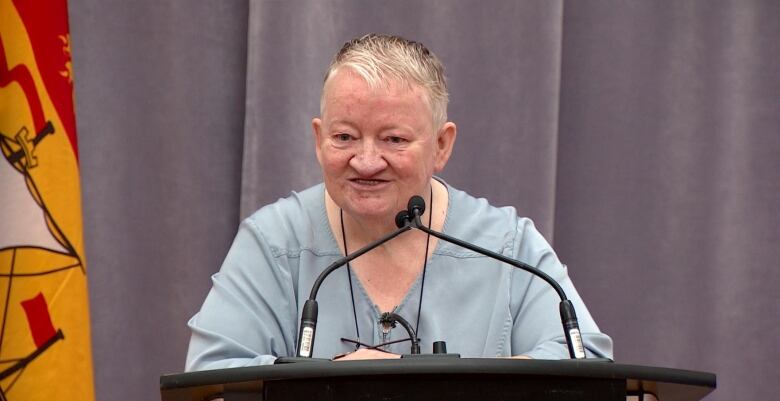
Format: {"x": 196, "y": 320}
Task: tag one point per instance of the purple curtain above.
{"x": 641, "y": 137}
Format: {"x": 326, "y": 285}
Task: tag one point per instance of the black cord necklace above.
{"x": 422, "y": 281}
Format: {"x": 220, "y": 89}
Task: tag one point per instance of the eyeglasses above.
{"x": 359, "y": 344}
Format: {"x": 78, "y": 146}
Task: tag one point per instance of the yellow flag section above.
{"x": 44, "y": 315}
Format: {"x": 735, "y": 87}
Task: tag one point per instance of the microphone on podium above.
{"x": 571, "y": 329}
{"x": 308, "y": 326}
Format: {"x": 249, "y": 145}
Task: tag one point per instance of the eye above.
{"x": 395, "y": 139}
{"x": 342, "y": 137}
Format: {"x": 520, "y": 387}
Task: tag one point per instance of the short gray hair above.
{"x": 379, "y": 58}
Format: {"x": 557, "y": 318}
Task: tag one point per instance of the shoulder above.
{"x": 477, "y": 221}
{"x": 500, "y": 229}
{"x": 468, "y": 208}
{"x": 295, "y": 223}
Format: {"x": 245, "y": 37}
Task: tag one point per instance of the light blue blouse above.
{"x": 479, "y": 306}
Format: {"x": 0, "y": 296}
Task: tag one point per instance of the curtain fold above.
{"x": 159, "y": 94}
{"x": 668, "y": 181}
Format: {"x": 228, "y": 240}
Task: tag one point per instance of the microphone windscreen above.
{"x": 416, "y": 203}
{"x": 402, "y": 218}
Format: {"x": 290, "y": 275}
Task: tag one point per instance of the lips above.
{"x": 368, "y": 182}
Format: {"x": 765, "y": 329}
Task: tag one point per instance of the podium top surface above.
{"x": 667, "y": 384}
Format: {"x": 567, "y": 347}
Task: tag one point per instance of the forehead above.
{"x": 346, "y": 88}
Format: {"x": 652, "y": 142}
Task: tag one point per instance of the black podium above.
{"x": 442, "y": 378}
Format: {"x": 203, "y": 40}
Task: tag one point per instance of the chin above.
{"x": 371, "y": 209}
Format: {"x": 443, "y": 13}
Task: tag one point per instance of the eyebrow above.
{"x": 382, "y": 128}
{"x": 343, "y": 122}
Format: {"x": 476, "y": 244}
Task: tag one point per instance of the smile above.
{"x": 367, "y": 182}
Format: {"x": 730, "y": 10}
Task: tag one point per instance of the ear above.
{"x": 316, "y": 127}
{"x": 445, "y": 140}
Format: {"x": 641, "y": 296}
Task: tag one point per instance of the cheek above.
{"x": 333, "y": 160}
{"x": 414, "y": 167}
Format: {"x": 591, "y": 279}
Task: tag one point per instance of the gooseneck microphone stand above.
{"x": 571, "y": 327}
{"x": 308, "y": 327}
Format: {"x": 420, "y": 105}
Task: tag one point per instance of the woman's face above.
{"x": 377, "y": 147}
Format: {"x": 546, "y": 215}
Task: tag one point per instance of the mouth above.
{"x": 365, "y": 182}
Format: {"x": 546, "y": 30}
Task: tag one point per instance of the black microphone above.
{"x": 308, "y": 327}
{"x": 389, "y": 319}
{"x": 416, "y": 208}
{"x": 571, "y": 328}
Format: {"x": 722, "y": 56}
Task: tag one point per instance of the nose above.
{"x": 368, "y": 160}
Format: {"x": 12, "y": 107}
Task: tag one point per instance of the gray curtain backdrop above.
{"x": 643, "y": 138}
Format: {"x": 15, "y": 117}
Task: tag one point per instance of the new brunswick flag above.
{"x": 44, "y": 316}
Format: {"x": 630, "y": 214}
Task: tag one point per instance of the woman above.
{"x": 382, "y": 135}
